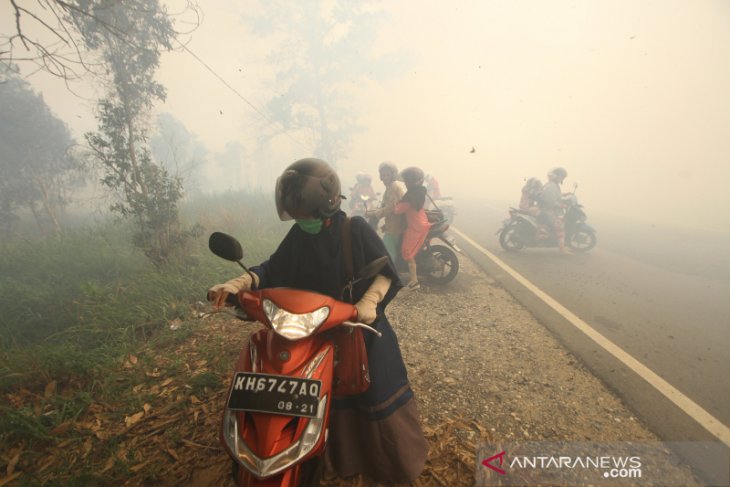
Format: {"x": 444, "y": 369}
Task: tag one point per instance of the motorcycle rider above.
{"x": 551, "y": 206}
{"x": 378, "y": 432}
{"x": 394, "y": 224}
{"x": 412, "y": 205}
{"x": 363, "y": 187}
{"x": 529, "y": 204}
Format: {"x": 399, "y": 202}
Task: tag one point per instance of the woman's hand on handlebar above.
{"x": 219, "y": 298}
{"x": 225, "y": 294}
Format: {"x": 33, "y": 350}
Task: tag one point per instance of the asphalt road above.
{"x": 661, "y": 294}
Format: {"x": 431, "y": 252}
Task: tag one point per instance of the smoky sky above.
{"x": 630, "y": 96}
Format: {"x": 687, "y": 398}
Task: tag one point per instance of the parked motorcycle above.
{"x": 436, "y": 264}
{"x": 276, "y": 418}
{"x": 525, "y": 230}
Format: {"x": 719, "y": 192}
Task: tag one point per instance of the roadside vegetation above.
{"x": 100, "y": 350}
{"x": 108, "y": 373}
{"x": 78, "y": 306}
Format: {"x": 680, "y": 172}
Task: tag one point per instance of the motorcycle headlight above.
{"x": 294, "y": 326}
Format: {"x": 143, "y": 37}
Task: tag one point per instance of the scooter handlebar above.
{"x": 354, "y": 324}
{"x": 231, "y": 302}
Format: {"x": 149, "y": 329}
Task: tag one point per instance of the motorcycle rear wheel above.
{"x": 443, "y": 267}
{"x": 581, "y": 241}
{"x": 510, "y": 239}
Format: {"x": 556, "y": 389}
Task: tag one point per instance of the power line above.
{"x": 220, "y": 78}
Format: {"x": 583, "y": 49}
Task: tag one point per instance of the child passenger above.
{"x": 412, "y": 205}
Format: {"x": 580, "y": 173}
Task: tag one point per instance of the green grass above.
{"x": 204, "y": 380}
{"x": 75, "y": 304}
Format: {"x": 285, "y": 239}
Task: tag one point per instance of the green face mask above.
{"x": 310, "y": 226}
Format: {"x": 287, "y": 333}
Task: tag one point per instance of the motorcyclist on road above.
{"x": 378, "y": 432}
{"x": 394, "y": 224}
{"x": 530, "y": 204}
{"x": 363, "y": 187}
{"x": 551, "y": 204}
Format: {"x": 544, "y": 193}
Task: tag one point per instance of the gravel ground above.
{"x": 474, "y": 353}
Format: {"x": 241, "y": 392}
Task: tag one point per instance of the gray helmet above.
{"x": 412, "y": 176}
{"x": 308, "y": 187}
{"x": 532, "y": 186}
{"x": 558, "y": 174}
{"x": 363, "y": 178}
{"x": 388, "y": 166}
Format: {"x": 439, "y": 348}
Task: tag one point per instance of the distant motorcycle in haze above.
{"x": 361, "y": 204}
{"x": 523, "y": 230}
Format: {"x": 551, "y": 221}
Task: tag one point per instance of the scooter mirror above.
{"x": 373, "y": 268}
{"x": 225, "y": 246}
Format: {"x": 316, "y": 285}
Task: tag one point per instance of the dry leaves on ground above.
{"x": 482, "y": 368}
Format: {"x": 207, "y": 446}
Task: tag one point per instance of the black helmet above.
{"x": 558, "y": 174}
{"x": 412, "y": 176}
{"x": 308, "y": 187}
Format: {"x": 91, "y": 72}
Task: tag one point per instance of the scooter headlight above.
{"x": 294, "y": 326}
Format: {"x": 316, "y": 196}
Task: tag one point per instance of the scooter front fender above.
{"x": 267, "y": 446}
{"x": 450, "y": 241}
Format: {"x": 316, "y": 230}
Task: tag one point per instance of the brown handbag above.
{"x": 351, "y": 374}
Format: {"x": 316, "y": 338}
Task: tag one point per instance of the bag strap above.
{"x": 432, "y": 202}
{"x": 347, "y": 248}
{"x": 347, "y": 252}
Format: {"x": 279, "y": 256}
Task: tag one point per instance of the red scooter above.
{"x": 275, "y": 423}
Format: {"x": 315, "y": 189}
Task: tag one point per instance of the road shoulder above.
{"x": 474, "y": 353}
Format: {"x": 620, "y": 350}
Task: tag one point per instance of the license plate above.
{"x": 275, "y": 394}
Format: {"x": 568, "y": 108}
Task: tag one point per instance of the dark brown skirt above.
{"x": 389, "y": 449}
{"x": 378, "y": 433}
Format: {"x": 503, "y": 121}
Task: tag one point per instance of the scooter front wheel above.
{"x": 510, "y": 238}
{"x": 581, "y": 241}
{"x": 310, "y": 473}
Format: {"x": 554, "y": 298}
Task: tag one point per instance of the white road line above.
{"x": 694, "y": 410}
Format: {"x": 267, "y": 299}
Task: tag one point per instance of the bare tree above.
{"x": 179, "y": 151}
{"x": 147, "y": 193}
{"x": 321, "y": 55}
{"x": 38, "y": 167}
{"x": 47, "y": 34}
